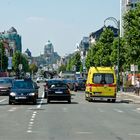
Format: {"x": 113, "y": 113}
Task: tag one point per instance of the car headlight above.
{"x": 31, "y": 94}
{"x": 12, "y": 94}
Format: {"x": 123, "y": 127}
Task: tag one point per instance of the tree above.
{"x": 62, "y": 68}
{"x": 3, "y": 58}
{"x": 132, "y": 36}
{"x": 105, "y": 47}
{"x": 77, "y": 61}
{"x": 69, "y": 65}
{"x": 18, "y": 58}
{"x": 90, "y": 56}
{"x": 99, "y": 53}
{"x": 114, "y": 53}
{"x": 33, "y": 68}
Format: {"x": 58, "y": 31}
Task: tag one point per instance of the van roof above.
{"x": 102, "y": 68}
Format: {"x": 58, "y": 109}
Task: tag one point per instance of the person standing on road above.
{"x": 137, "y": 86}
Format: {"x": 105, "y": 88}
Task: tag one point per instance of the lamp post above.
{"x": 118, "y": 52}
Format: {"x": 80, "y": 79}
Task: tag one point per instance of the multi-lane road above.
{"x": 80, "y": 120}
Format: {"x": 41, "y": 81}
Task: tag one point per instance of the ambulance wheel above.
{"x": 113, "y": 100}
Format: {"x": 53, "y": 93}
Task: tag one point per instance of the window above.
{"x": 103, "y": 78}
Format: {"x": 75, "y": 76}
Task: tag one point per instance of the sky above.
{"x": 63, "y": 22}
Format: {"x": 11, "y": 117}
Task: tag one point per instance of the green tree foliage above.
{"x": 62, "y": 68}
{"x": 105, "y": 47}
{"x": 99, "y": 53}
{"x": 77, "y": 61}
{"x": 69, "y": 65}
{"x": 33, "y": 68}
{"x": 90, "y": 56}
{"x": 114, "y": 54}
{"x": 132, "y": 36}
{"x": 3, "y": 58}
{"x": 18, "y": 58}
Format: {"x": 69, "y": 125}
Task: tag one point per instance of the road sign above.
{"x": 134, "y": 67}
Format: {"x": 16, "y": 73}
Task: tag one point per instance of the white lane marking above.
{"x": 31, "y": 122}
{"x": 83, "y": 132}
{"x": 34, "y": 112}
{"x": 137, "y": 110}
{"x": 3, "y": 100}
{"x": 120, "y": 111}
{"x": 39, "y": 106}
{"x": 65, "y": 109}
{"x": 12, "y": 109}
{"x": 29, "y": 131}
{"x": 134, "y": 134}
{"x": 31, "y": 119}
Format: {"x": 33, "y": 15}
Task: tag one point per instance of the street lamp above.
{"x": 118, "y": 52}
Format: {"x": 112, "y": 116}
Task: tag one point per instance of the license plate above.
{"x": 59, "y": 92}
{"x": 3, "y": 90}
{"x": 20, "y": 97}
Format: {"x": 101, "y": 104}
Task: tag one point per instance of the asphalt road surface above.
{"x": 80, "y": 120}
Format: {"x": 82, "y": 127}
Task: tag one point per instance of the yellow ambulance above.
{"x": 101, "y": 84}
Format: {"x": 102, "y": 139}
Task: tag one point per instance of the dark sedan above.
{"x": 23, "y": 91}
{"x": 57, "y": 90}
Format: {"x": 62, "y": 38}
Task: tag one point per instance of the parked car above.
{"x": 57, "y": 90}
{"x": 23, "y": 90}
{"x": 5, "y": 85}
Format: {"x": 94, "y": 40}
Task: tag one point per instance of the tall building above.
{"x": 126, "y": 5}
{"x": 50, "y": 56}
{"x": 13, "y": 38}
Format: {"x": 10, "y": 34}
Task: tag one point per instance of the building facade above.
{"x": 94, "y": 36}
{"x": 126, "y": 5}
{"x": 50, "y": 56}
{"x": 13, "y": 38}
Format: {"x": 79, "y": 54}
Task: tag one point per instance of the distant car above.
{"x": 5, "y": 85}
{"x": 23, "y": 90}
{"x": 81, "y": 84}
{"x": 57, "y": 90}
{"x": 40, "y": 80}
{"x": 70, "y": 82}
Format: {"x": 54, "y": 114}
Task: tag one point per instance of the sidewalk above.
{"x": 131, "y": 96}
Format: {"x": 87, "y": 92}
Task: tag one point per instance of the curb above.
{"x": 134, "y": 98}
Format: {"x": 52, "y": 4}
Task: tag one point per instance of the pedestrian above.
{"x": 137, "y": 86}
{"x": 75, "y": 86}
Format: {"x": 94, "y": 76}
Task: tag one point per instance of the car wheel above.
{"x": 35, "y": 102}
{"x": 48, "y": 100}
{"x": 113, "y": 100}
{"x": 69, "y": 101}
{"x": 10, "y": 102}
{"x": 45, "y": 96}
{"x": 86, "y": 97}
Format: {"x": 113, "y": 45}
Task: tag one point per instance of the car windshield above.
{"x": 56, "y": 84}
{"x": 103, "y": 78}
{"x": 22, "y": 85}
{"x": 5, "y": 82}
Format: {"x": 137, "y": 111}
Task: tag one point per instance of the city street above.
{"x": 80, "y": 120}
